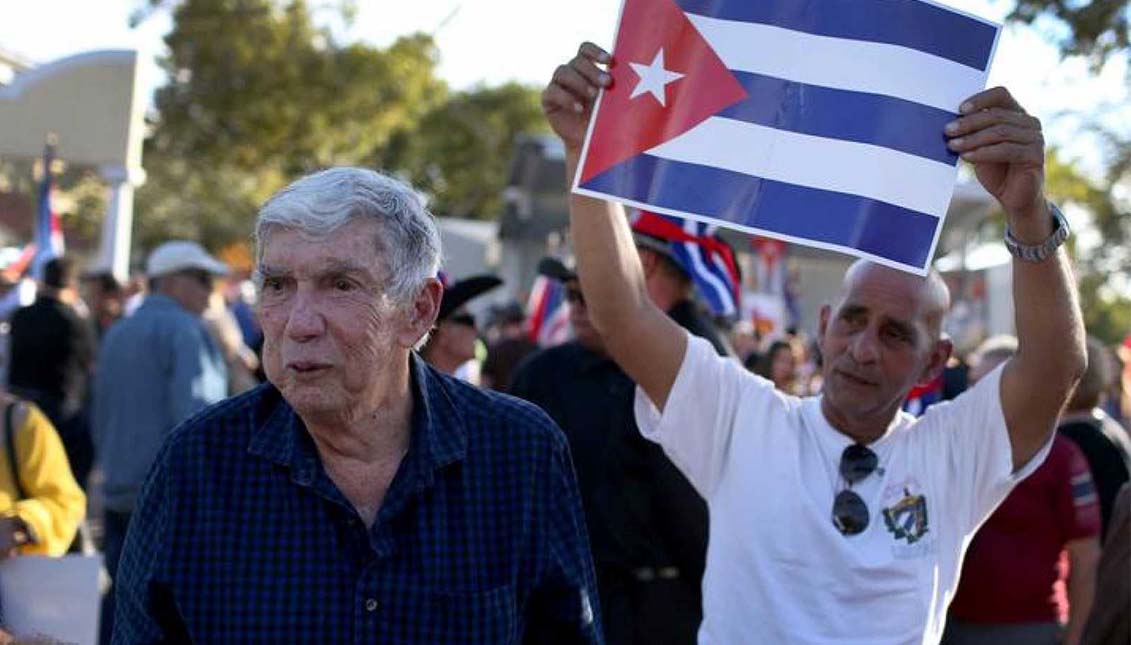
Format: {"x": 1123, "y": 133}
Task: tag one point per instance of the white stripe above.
{"x": 829, "y": 164}
{"x": 1090, "y": 498}
{"x": 861, "y": 66}
{"x": 692, "y": 249}
{"x": 724, "y": 271}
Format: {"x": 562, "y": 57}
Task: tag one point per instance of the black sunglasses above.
{"x": 574, "y": 297}
{"x": 203, "y": 278}
{"x": 463, "y": 319}
{"x": 850, "y": 513}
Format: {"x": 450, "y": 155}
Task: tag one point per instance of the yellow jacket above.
{"x": 55, "y": 505}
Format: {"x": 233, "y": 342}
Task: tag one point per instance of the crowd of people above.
{"x": 365, "y": 459}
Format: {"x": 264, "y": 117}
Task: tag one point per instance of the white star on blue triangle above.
{"x": 654, "y": 79}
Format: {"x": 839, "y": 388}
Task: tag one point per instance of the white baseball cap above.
{"x": 180, "y": 255}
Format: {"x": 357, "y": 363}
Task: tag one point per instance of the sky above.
{"x": 494, "y": 41}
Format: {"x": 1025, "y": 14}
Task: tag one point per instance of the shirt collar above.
{"x": 438, "y": 439}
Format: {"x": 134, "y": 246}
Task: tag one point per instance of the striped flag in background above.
{"x": 547, "y": 321}
{"x": 705, "y": 257}
{"x": 48, "y": 230}
{"x": 814, "y": 121}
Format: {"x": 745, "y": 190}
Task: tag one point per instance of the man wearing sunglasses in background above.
{"x": 647, "y": 526}
{"x": 837, "y": 518}
{"x": 452, "y": 343}
{"x": 155, "y": 368}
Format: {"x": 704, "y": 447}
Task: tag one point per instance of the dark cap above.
{"x": 459, "y": 293}
{"x": 552, "y": 267}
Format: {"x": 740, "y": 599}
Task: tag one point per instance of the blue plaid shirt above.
{"x": 240, "y": 536}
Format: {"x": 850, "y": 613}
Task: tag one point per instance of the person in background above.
{"x": 453, "y": 342}
{"x": 779, "y": 365}
{"x": 155, "y": 369}
{"x": 1110, "y": 621}
{"x": 104, "y": 297}
{"x": 52, "y": 353}
{"x": 1104, "y": 443}
{"x": 134, "y": 291}
{"x": 747, "y": 342}
{"x": 1120, "y": 404}
{"x": 647, "y": 526}
{"x": 242, "y": 361}
{"x": 1014, "y": 586}
{"x": 41, "y": 504}
{"x": 243, "y": 299}
{"x": 673, "y": 278}
{"x": 511, "y": 346}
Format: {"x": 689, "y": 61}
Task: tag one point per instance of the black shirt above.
{"x": 52, "y": 352}
{"x": 640, "y": 510}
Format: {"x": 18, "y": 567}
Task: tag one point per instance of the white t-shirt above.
{"x": 778, "y": 571}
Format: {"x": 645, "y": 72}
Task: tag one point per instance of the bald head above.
{"x": 928, "y": 296}
{"x": 881, "y": 339}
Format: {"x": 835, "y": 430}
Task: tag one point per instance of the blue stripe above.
{"x": 850, "y": 221}
{"x": 1083, "y": 489}
{"x": 910, "y": 23}
{"x": 721, "y": 302}
{"x": 885, "y": 121}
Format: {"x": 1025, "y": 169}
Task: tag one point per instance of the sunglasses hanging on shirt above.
{"x": 850, "y": 513}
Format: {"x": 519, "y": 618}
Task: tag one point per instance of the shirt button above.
{"x": 371, "y": 604}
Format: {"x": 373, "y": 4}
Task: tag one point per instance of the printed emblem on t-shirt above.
{"x": 906, "y": 519}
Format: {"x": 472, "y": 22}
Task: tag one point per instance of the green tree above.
{"x": 1097, "y": 28}
{"x": 258, "y": 95}
{"x": 1107, "y": 311}
{"x": 461, "y": 150}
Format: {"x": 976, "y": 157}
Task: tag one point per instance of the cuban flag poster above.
{"x": 818, "y": 122}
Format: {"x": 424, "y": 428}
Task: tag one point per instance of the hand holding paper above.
{"x": 1007, "y": 149}
{"x": 568, "y": 100}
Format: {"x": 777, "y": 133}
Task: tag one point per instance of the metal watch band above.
{"x": 1044, "y": 250}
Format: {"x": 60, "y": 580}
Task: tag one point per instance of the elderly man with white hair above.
{"x": 360, "y": 495}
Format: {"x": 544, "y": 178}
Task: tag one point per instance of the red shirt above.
{"x": 1013, "y": 571}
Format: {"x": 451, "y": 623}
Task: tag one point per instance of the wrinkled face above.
{"x": 877, "y": 344}
{"x": 331, "y": 335}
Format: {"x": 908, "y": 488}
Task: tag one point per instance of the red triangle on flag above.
{"x": 654, "y": 31}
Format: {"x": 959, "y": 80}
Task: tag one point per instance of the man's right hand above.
{"x": 568, "y": 100}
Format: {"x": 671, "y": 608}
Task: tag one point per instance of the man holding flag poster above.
{"x": 835, "y": 518}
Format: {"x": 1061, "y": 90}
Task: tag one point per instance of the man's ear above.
{"x": 936, "y": 362}
{"x": 422, "y": 312}
{"x": 823, "y": 323}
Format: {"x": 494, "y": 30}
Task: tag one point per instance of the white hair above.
{"x": 320, "y": 203}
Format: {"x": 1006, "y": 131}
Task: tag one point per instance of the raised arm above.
{"x": 1006, "y": 147}
{"x": 647, "y": 344}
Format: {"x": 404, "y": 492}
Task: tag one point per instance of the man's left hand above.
{"x": 1007, "y": 149}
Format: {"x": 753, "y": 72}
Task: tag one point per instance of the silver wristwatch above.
{"x": 1040, "y": 252}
